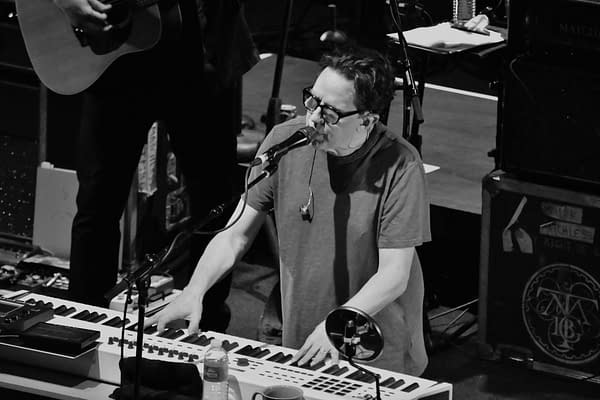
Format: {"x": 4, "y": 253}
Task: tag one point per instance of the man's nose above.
{"x": 316, "y": 117}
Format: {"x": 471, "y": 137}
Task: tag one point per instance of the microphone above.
{"x": 301, "y": 137}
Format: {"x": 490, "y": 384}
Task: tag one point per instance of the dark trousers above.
{"x": 166, "y": 83}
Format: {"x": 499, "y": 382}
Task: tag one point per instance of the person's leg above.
{"x": 111, "y": 138}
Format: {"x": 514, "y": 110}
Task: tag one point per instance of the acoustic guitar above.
{"x": 68, "y": 60}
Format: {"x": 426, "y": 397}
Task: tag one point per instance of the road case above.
{"x": 539, "y": 285}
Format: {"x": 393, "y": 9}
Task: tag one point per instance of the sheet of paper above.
{"x": 445, "y": 38}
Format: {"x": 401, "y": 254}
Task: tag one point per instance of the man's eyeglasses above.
{"x": 330, "y": 114}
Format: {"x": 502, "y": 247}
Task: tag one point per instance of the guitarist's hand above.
{"x": 89, "y": 15}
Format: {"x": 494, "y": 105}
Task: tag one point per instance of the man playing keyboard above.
{"x": 349, "y": 210}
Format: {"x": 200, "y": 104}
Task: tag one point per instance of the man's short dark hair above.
{"x": 371, "y": 73}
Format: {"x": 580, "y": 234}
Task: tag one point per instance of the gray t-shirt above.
{"x": 373, "y": 198}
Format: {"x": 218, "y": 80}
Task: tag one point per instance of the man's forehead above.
{"x": 333, "y": 88}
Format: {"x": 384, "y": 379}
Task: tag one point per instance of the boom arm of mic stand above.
{"x": 220, "y": 209}
{"x": 414, "y": 94}
{"x": 411, "y": 93}
{"x": 153, "y": 261}
{"x": 274, "y": 108}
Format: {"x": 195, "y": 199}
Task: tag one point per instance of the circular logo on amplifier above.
{"x": 561, "y": 311}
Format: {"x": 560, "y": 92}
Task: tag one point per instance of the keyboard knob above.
{"x": 243, "y": 362}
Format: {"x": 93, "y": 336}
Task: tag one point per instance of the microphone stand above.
{"x": 274, "y": 108}
{"x": 142, "y": 285}
{"x": 141, "y": 275}
{"x": 350, "y": 351}
{"x": 412, "y": 99}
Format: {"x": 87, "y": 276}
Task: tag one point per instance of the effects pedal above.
{"x": 18, "y": 316}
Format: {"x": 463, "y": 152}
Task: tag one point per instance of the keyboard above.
{"x": 253, "y": 365}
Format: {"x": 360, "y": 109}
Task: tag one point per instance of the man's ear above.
{"x": 370, "y": 118}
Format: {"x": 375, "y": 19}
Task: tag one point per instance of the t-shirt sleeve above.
{"x": 260, "y": 196}
{"x": 405, "y": 215}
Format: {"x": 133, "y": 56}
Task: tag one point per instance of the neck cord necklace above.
{"x": 305, "y": 209}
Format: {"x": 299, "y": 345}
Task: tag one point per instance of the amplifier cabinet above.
{"x": 549, "y": 125}
{"x": 540, "y": 276}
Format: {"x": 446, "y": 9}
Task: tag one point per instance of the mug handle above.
{"x": 257, "y": 394}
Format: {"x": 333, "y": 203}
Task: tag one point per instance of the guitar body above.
{"x": 58, "y": 57}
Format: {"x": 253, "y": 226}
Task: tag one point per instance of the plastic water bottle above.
{"x": 216, "y": 371}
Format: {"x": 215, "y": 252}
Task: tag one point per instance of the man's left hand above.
{"x": 316, "y": 348}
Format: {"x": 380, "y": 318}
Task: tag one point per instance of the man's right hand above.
{"x": 89, "y": 15}
{"x": 187, "y": 305}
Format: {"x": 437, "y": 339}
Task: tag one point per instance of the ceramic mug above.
{"x": 279, "y": 392}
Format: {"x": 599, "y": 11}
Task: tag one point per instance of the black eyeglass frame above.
{"x": 306, "y": 94}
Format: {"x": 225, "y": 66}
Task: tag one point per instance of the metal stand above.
{"x": 351, "y": 341}
{"x": 412, "y": 95}
{"x": 142, "y": 285}
{"x": 357, "y": 337}
{"x": 274, "y": 108}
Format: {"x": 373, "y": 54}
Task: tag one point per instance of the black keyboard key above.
{"x": 60, "y": 309}
{"x": 396, "y": 385}
{"x": 203, "y": 340}
{"x": 276, "y": 357}
{"x": 100, "y": 317}
{"x": 164, "y": 333}
{"x": 82, "y": 315}
{"x": 355, "y": 375}
{"x": 151, "y": 329}
{"x": 132, "y": 328}
{"x": 257, "y": 352}
{"x": 411, "y": 387}
{"x": 228, "y": 346}
{"x": 317, "y": 366}
{"x": 331, "y": 369}
{"x": 91, "y": 316}
{"x": 245, "y": 350}
{"x": 262, "y": 353}
{"x": 177, "y": 333}
{"x": 285, "y": 359}
{"x": 172, "y": 333}
{"x": 120, "y": 323}
{"x": 69, "y": 311}
{"x": 340, "y": 371}
{"x": 387, "y": 382}
{"x": 114, "y": 321}
{"x": 190, "y": 338}
{"x": 368, "y": 378}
